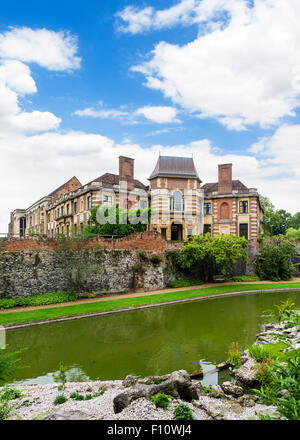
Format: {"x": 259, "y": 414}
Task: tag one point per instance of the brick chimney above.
{"x": 225, "y": 179}
{"x": 126, "y": 171}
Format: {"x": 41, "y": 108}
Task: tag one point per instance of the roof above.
{"x": 174, "y": 167}
{"x": 237, "y": 185}
{"x": 114, "y": 179}
{"x": 61, "y": 186}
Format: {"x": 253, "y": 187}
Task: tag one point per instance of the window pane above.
{"x": 207, "y": 228}
{"x": 207, "y": 208}
{"x": 244, "y": 230}
{"x": 177, "y": 201}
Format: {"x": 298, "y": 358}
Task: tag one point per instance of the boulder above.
{"x": 246, "y": 400}
{"x": 129, "y": 381}
{"x": 246, "y": 374}
{"x": 67, "y": 415}
{"x": 178, "y": 385}
{"x": 216, "y": 391}
{"x": 230, "y": 388}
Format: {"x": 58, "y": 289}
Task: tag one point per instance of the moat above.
{"x": 145, "y": 342}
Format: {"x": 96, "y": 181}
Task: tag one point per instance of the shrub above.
{"x": 161, "y": 400}
{"x": 244, "y": 278}
{"x": 276, "y": 258}
{"x": 61, "y": 376}
{"x": 138, "y": 268}
{"x": 157, "y": 381}
{"x": 38, "y": 300}
{"x": 4, "y": 410}
{"x": 143, "y": 256}
{"x": 59, "y": 400}
{"x": 89, "y": 295}
{"x": 76, "y": 396}
{"x": 183, "y": 412}
{"x": 285, "y": 311}
{"x": 234, "y": 355}
{"x": 259, "y": 352}
{"x": 156, "y": 259}
{"x": 10, "y": 393}
{"x": 8, "y": 364}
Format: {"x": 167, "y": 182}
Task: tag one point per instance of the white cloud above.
{"x": 52, "y": 50}
{"x": 101, "y": 114}
{"x": 158, "y": 114}
{"x": 49, "y": 49}
{"x": 275, "y": 171}
{"x": 241, "y": 71}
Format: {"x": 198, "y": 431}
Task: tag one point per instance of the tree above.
{"x": 111, "y": 220}
{"x": 293, "y": 234}
{"x": 295, "y": 221}
{"x": 200, "y": 254}
{"x": 275, "y": 222}
{"x": 276, "y": 259}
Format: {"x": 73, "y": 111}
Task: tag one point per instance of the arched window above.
{"x": 224, "y": 212}
{"x": 177, "y": 201}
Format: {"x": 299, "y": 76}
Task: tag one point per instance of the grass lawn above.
{"x": 71, "y": 310}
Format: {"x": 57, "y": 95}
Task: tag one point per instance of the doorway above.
{"x": 176, "y": 232}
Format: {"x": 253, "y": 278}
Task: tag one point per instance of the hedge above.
{"x": 38, "y": 300}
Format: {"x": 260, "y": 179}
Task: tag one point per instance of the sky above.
{"x": 82, "y": 82}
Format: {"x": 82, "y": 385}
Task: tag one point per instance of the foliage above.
{"x": 200, "y": 254}
{"x": 38, "y": 300}
{"x": 234, "y": 354}
{"x": 4, "y": 410}
{"x": 10, "y": 393}
{"x": 156, "y": 259}
{"x": 8, "y": 364}
{"x": 185, "y": 283}
{"x": 143, "y": 256}
{"x": 60, "y": 399}
{"x": 89, "y": 295}
{"x": 277, "y": 222}
{"x": 259, "y": 352}
{"x": 183, "y": 412}
{"x": 157, "y": 381}
{"x": 293, "y": 234}
{"x": 61, "y": 376}
{"x": 161, "y": 400}
{"x": 276, "y": 258}
{"x": 206, "y": 389}
{"x": 285, "y": 311}
{"x": 120, "y": 222}
{"x": 244, "y": 279}
{"x": 283, "y": 376}
{"x": 77, "y": 396}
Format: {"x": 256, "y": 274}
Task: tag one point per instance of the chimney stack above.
{"x": 225, "y": 179}
{"x": 126, "y": 171}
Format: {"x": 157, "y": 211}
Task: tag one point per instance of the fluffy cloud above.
{"x": 54, "y": 51}
{"x": 273, "y": 169}
{"x": 101, "y": 114}
{"x": 242, "y": 69}
{"x": 158, "y": 114}
{"x": 49, "y": 49}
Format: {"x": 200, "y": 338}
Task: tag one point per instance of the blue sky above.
{"x": 83, "y": 82}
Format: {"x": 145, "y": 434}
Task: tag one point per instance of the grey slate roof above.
{"x": 237, "y": 185}
{"x": 175, "y": 167}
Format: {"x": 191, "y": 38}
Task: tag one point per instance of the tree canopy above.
{"x": 277, "y": 222}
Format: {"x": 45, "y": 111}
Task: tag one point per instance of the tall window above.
{"x": 107, "y": 200}
{"x": 177, "y": 201}
{"x": 89, "y": 201}
{"x": 62, "y": 210}
{"x": 68, "y": 208}
{"x": 207, "y": 208}
{"x": 75, "y": 207}
{"x": 206, "y": 229}
{"x": 143, "y": 204}
{"x": 243, "y": 207}
{"x": 243, "y": 230}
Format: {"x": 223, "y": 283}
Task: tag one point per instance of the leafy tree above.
{"x": 293, "y": 234}
{"x": 276, "y": 259}
{"x": 276, "y": 222}
{"x": 200, "y": 254}
{"x": 295, "y": 221}
{"x": 8, "y": 364}
{"x": 111, "y": 220}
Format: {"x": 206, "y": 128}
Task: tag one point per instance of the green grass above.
{"x": 58, "y": 312}
{"x": 244, "y": 279}
{"x": 184, "y": 283}
{"x": 273, "y": 351}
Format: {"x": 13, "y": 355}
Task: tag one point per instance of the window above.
{"x": 243, "y": 207}
{"x": 244, "y": 230}
{"x": 207, "y": 208}
{"x": 75, "y": 229}
{"x": 75, "y": 207}
{"x": 177, "y": 201}
{"x": 68, "y": 230}
{"x": 189, "y": 232}
{"x": 58, "y": 212}
{"x": 89, "y": 202}
{"x": 224, "y": 211}
{"x": 107, "y": 200}
{"x": 68, "y": 207}
{"x": 206, "y": 229}
{"x": 62, "y": 210}
{"x": 143, "y": 204}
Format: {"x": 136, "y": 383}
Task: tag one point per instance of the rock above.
{"x": 222, "y": 366}
{"x": 216, "y": 391}
{"x": 269, "y": 327}
{"x": 230, "y": 388}
{"x": 129, "y": 381}
{"x": 246, "y": 401}
{"x": 178, "y": 385}
{"x": 284, "y": 393}
{"x": 246, "y": 373}
{"x": 67, "y": 415}
{"x": 236, "y": 408}
{"x": 269, "y": 412}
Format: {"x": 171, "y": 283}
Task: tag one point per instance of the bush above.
{"x": 143, "y": 256}
{"x": 156, "y": 259}
{"x": 10, "y": 393}
{"x": 185, "y": 283}
{"x": 276, "y": 258}
{"x": 244, "y": 278}
{"x": 259, "y": 352}
{"x": 59, "y": 400}
{"x": 4, "y": 410}
{"x": 234, "y": 355}
{"x": 161, "y": 400}
{"x": 38, "y": 300}
{"x": 76, "y": 396}
{"x": 183, "y": 412}
{"x": 89, "y": 295}
{"x": 8, "y": 364}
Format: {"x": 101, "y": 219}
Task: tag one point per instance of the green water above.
{"x": 146, "y": 342}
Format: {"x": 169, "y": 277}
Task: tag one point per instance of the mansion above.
{"x": 181, "y": 206}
